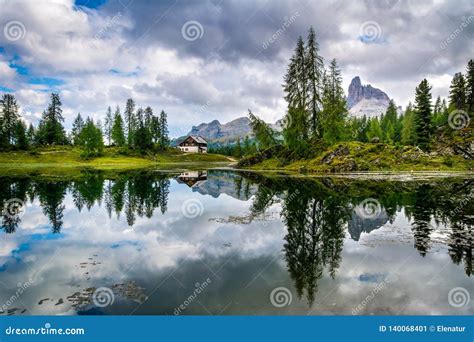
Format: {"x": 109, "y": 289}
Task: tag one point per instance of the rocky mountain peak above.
{"x": 358, "y": 92}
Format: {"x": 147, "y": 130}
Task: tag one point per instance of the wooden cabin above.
{"x": 193, "y": 144}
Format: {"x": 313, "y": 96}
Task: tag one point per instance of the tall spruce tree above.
{"x": 8, "y": 118}
{"x": 423, "y": 118}
{"x": 334, "y": 105}
{"x": 314, "y": 71}
{"x": 77, "y": 126}
{"x": 118, "y": 135}
{"x": 51, "y": 130}
{"x": 130, "y": 120}
{"x": 457, "y": 92}
{"x": 109, "y": 121}
{"x": 164, "y": 140}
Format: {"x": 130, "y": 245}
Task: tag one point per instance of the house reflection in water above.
{"x": 192, "y": 178}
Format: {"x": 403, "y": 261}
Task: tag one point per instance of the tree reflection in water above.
{"x": 316, "y": 211}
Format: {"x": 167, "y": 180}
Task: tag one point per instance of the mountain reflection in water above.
{"x": 250, "y": 230}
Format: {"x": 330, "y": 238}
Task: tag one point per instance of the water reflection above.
{"x": 316, "y": 213}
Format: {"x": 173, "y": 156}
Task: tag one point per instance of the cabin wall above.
{"x": 193, "y": 149}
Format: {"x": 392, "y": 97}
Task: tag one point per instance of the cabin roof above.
{"x": 196, "y": 138}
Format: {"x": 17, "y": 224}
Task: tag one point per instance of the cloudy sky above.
{"x": 205, "y": 60}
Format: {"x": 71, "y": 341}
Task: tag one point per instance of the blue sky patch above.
{"x": 47, "y": 81}
{"x": 5, "y": 89}
{"x": 90, "y": 3}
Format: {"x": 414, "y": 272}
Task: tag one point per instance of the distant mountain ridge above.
{"x": 361, "y": 100}
{"x": 214, "y": 130}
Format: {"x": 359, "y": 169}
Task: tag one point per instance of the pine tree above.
{"x": 470, "y": 88}
{"x": 118, "y": 136}
{"x": 77, "y": 126}
{"x": 109, "y": 121}
{"x": 334, "y": 105}
{"x": 130, "y": 120}
{"x": 164, "y": 139}
{"x": 457, "y": 92}
{"x": 423, "y": 126}
{"x": 314, "y": 70}
{"x": 8, "y": 118}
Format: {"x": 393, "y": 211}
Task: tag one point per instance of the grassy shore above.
{"x": 356, "y": 157}
{"x": 65, "y": 159}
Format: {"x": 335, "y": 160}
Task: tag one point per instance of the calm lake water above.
{"x": 225, "y": 242}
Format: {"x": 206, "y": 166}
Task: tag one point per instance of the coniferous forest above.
{"x": 137, "y": 130}
{"x": 317, "y": 115}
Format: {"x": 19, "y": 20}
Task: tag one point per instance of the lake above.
{"x": 222, "y": 242}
